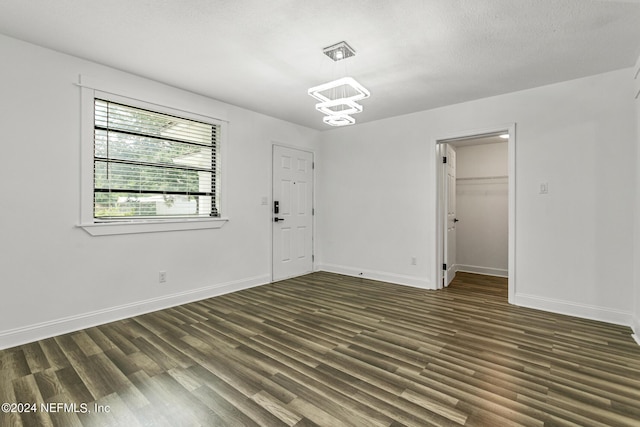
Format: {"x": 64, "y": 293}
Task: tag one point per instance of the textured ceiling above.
{"x": 411, "y": 54}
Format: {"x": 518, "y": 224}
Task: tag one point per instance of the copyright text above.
{"x": 53, "y": 407}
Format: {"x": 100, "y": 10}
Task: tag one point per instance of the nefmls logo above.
{"x": 52, "y": 407}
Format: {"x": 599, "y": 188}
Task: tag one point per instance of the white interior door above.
{"x": 292, "y": 212}
{"x": 451, "y": 220}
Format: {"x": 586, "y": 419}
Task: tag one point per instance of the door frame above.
{"x": 440, "y": 217}
{"x": 313, "y": 203}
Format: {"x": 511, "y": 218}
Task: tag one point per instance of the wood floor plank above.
{"x": 331, "y": 350}
{"x": 225, "y": 413}
{"x": 35, "y": 357}
{"x": 111, "y": 332}
{"x": 48, "y": 384}
{"x": 27, "y": 393}
{"x": 314, "y": 413}
{"x": 276, "y": 408}
{"x": 118, "y": 414}
{"x": 73, "y": 385}
{"x": 53, "y": 353}
{"x": 346, "y": 412}
{"x": 162, "y": 352}
{"x": 246, "y": 404}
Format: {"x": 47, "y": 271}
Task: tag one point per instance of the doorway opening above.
{"x": 475, "y": 205}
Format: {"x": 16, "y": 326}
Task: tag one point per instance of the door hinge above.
{"x": 313, "y": 257}
{"x": 444, "y": 159}
{"x": 313, "y": 165}
{"x": 444, "y": 267}
{"x": 313, "y": 211}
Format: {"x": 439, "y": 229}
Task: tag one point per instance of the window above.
{"x": 152, "y": 165}
{"x": 146, "y": 167}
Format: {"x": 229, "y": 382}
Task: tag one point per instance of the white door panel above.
{"x": 293, "y": 230}
{"x": 450, "y": 203}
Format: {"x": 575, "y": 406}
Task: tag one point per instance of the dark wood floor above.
{"x": 330, "y": 350}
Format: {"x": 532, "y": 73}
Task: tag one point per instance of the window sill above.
{"x": 119, "y": 227}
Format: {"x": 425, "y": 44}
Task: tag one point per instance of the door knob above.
{"x": 456, "y": 220}
{"x": 276, "y": 219}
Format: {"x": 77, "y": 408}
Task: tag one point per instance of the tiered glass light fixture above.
{"x": 338, "y": 98}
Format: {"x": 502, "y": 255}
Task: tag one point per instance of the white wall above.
{"x": 55, "y": 277}
{"x": 482, "y": 206}
{"x": 574, "y": 254}
{"x": 374, "y": 201}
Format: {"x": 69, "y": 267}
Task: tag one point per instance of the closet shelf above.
{"x": 476, "y": 178}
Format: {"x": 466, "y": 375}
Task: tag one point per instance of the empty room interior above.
{"x": 297, "y": 213}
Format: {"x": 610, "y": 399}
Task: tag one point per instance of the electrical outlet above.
{"x": 162, "y": 277}
{"x": 414, "y": 260}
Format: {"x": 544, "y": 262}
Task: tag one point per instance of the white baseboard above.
{"x": 488, "y": 271}
{"x": 585, "y": 311}
{"x": 416, "y": 282}
{"x": 27, "y": 334}
{"x": 636, "y": 329}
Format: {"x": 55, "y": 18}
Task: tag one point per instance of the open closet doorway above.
{"x": 475, "y": 205}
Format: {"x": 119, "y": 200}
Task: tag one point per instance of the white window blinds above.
{"x": 153, "y": 165}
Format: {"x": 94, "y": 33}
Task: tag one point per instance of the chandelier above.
{"x": 338, "y": 98}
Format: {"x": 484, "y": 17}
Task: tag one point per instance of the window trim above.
{"x": 96, "y": 227}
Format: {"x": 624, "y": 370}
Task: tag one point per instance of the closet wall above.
{"x": 482, "y": 208}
